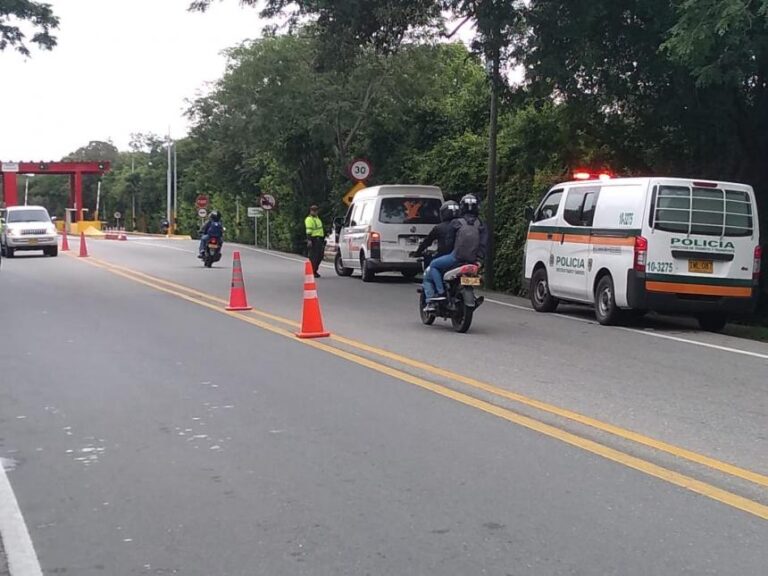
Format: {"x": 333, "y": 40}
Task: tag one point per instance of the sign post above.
{"x": 117, "y": 218}
{"x": 202, "y": 213}
{"x": 255, "y": 212}
{"x": 268, "y": 204}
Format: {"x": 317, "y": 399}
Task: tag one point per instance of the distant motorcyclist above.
{"x": 444, "y": 233}
{"x": 213, "y": 228}
{"x": 470, "y": 243}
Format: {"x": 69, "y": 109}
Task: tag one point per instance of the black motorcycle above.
{"x": 460, "y": 303}
{"x": 212, "y": 251}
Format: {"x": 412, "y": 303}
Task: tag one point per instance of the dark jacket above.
{"x": 213, "y": 229}
{"x": 471, "y": 219}
{"x": 445, "y": 234}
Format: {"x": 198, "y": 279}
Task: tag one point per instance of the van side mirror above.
{"x": 529, "y": 214}
{"x": 338, "y": 224}
{"x": 53, "y": 219}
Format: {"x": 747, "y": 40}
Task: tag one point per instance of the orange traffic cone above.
{"x": 83, "y": 247}
{"x": 237, "y": 297}
{"x": 64, "y": 241}
{"x": 312, "y": 319}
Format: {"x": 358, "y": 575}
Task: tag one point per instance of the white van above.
{"x": 383, "y": 225}
{"x": 665, "y": 244}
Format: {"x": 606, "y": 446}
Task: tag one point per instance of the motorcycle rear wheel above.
{"x": 461, "y": 319}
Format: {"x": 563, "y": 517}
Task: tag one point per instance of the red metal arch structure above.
{"x": 75, "y": 170}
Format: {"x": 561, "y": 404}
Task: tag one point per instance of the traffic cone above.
{"x": 64, "y": 241}
{"x": 83, "y": 247}
{"x": 237, "y": 297}
{"x": 312, "y": 319}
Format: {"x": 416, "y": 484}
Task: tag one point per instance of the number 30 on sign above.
{"x": 360, "y": 169}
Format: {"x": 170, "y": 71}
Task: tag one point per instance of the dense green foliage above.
{"x": 641, "y": 87}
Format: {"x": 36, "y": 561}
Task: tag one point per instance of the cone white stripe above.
{"x": 309, "y": 279}
{"x": 310, "y": 294}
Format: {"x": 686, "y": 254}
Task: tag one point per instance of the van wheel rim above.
{"x": 605, "y": 301}
{"x": 541, "y": 291}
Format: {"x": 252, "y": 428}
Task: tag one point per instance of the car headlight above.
{"x": 52, "y": 231}
{"x": 14, "y": 232}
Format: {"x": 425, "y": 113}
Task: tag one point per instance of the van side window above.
{"x": 549, "y": 206}
{"x": 348, "y": 219}
{"x": 580, "y": 206}
{"x": 366, "y": 213}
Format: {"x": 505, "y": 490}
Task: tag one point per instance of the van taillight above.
{"x": 641, "y": 253}
{"x": 374, "y": 240}
{"x": 758, "y": 260}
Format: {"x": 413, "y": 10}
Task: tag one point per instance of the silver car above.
{"x": 28, "y": 228}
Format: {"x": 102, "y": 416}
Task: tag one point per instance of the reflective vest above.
{"x": 314, "y": 227}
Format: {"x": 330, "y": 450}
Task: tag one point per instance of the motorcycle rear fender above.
{"x": 468, "y": 295}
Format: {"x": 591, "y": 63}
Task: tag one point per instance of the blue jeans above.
{"x": 427, "y": 285}
{"x": 440, "y": 266}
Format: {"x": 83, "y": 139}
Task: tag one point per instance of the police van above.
{"x": 630, "y": 245}
{"x": 383, "y": 226}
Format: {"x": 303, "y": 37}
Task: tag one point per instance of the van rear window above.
{"x": 410, "y": 211}
{"x": 704, "y": 211}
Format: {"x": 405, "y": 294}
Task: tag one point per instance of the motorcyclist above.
{"x": 445, "y": 234}
{"x": 211, "y": 229}
{"x": 470, "y": 243}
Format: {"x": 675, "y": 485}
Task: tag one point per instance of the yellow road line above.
{"x": 677, "y": 451}
{"x": 675, "y": 478}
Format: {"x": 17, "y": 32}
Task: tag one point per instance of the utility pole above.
{"x": 133, "y": 193}
{"x": 175, "y": 190}
{"x": 169, "y": 177}
{"x": 491, "y": 199}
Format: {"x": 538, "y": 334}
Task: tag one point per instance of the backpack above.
{"x": 216, "y": 230}
{"x": 467, "y": 243}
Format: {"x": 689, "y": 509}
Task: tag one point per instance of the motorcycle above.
{"x": 460, "y": 303}
{"x": 212, "y": 251}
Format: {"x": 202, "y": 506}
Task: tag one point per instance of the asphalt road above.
{"x": 146, "y": 431}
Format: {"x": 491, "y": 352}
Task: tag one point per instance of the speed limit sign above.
{"x": 360, "y": 169}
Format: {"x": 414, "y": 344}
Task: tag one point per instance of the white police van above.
{"x": 383, "y": 225}
{"x": 637, "y": 244}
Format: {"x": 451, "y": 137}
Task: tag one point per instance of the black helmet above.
{"x": 469, "y": 205}
{"x": 449, "y": 210}
{"x": 215, "y": 216}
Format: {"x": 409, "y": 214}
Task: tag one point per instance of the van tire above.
{"x": 712, "y": 322}
{"x": 338, "y": 265}
{"x": 10, "y": 252}
{"x": 365, "y": 271}
{"x": 606, "y": 311}
{"x": 541, "y": 298}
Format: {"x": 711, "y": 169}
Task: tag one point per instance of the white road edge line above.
{"x": 22, "y": 559}
{"x": 643, "y": 332}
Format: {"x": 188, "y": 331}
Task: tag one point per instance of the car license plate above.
{"x": 413, "y": 241}
{"x": 33, "y": 240}
{"x": 470, "y": 281}
{"x": 701, "y": 266}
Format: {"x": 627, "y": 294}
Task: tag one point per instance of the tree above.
{"x": 38, "y": 14}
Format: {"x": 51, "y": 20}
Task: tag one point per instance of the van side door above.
{"x": 542, "y": 233}
{"x": 571, "y": 249}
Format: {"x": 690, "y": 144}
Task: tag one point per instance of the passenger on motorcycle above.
{"x": 445, "y": 235}
{"x": 470, "y": 242}
{"x": 213, "y": 228}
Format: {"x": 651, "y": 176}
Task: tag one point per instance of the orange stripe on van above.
{"x": 538, "y": 236}
{"x": 610, "y": 241}
{"x": 577, "y": 238}
{"x": 698, "y": 289}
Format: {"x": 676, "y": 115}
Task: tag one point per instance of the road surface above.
{"x": 145, "y": 430}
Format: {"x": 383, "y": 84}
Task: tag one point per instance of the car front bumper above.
{"x": 31, "y": 242}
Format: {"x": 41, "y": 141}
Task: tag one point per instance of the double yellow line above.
{"x": 260, "y": 319}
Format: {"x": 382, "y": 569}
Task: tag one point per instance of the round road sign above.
{"x": 202, "y": 201}
{"x": 360, "y": 169}
{"x": 118, "y": 215}
{"x": 202, "y": 212}
{"x": 268, "y": 202}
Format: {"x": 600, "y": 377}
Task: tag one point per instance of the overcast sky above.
{"x": 121, "y": 66}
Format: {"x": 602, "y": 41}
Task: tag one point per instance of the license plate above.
{"x": 412, "y": 241}
{"x": 470, "y": 281}
{"x": 33, "y": 240}
{"x": 213, "y": 246}
{"x": 701, "y": 266}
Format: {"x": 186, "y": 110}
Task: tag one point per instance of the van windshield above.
{"x": 704, "y": 211}
{"x": 28, "y": 215}
{"x": 410, "y": 211}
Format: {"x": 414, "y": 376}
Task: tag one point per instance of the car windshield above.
{"x": 410, "y": 211}
{"x": 28, "y": 215}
